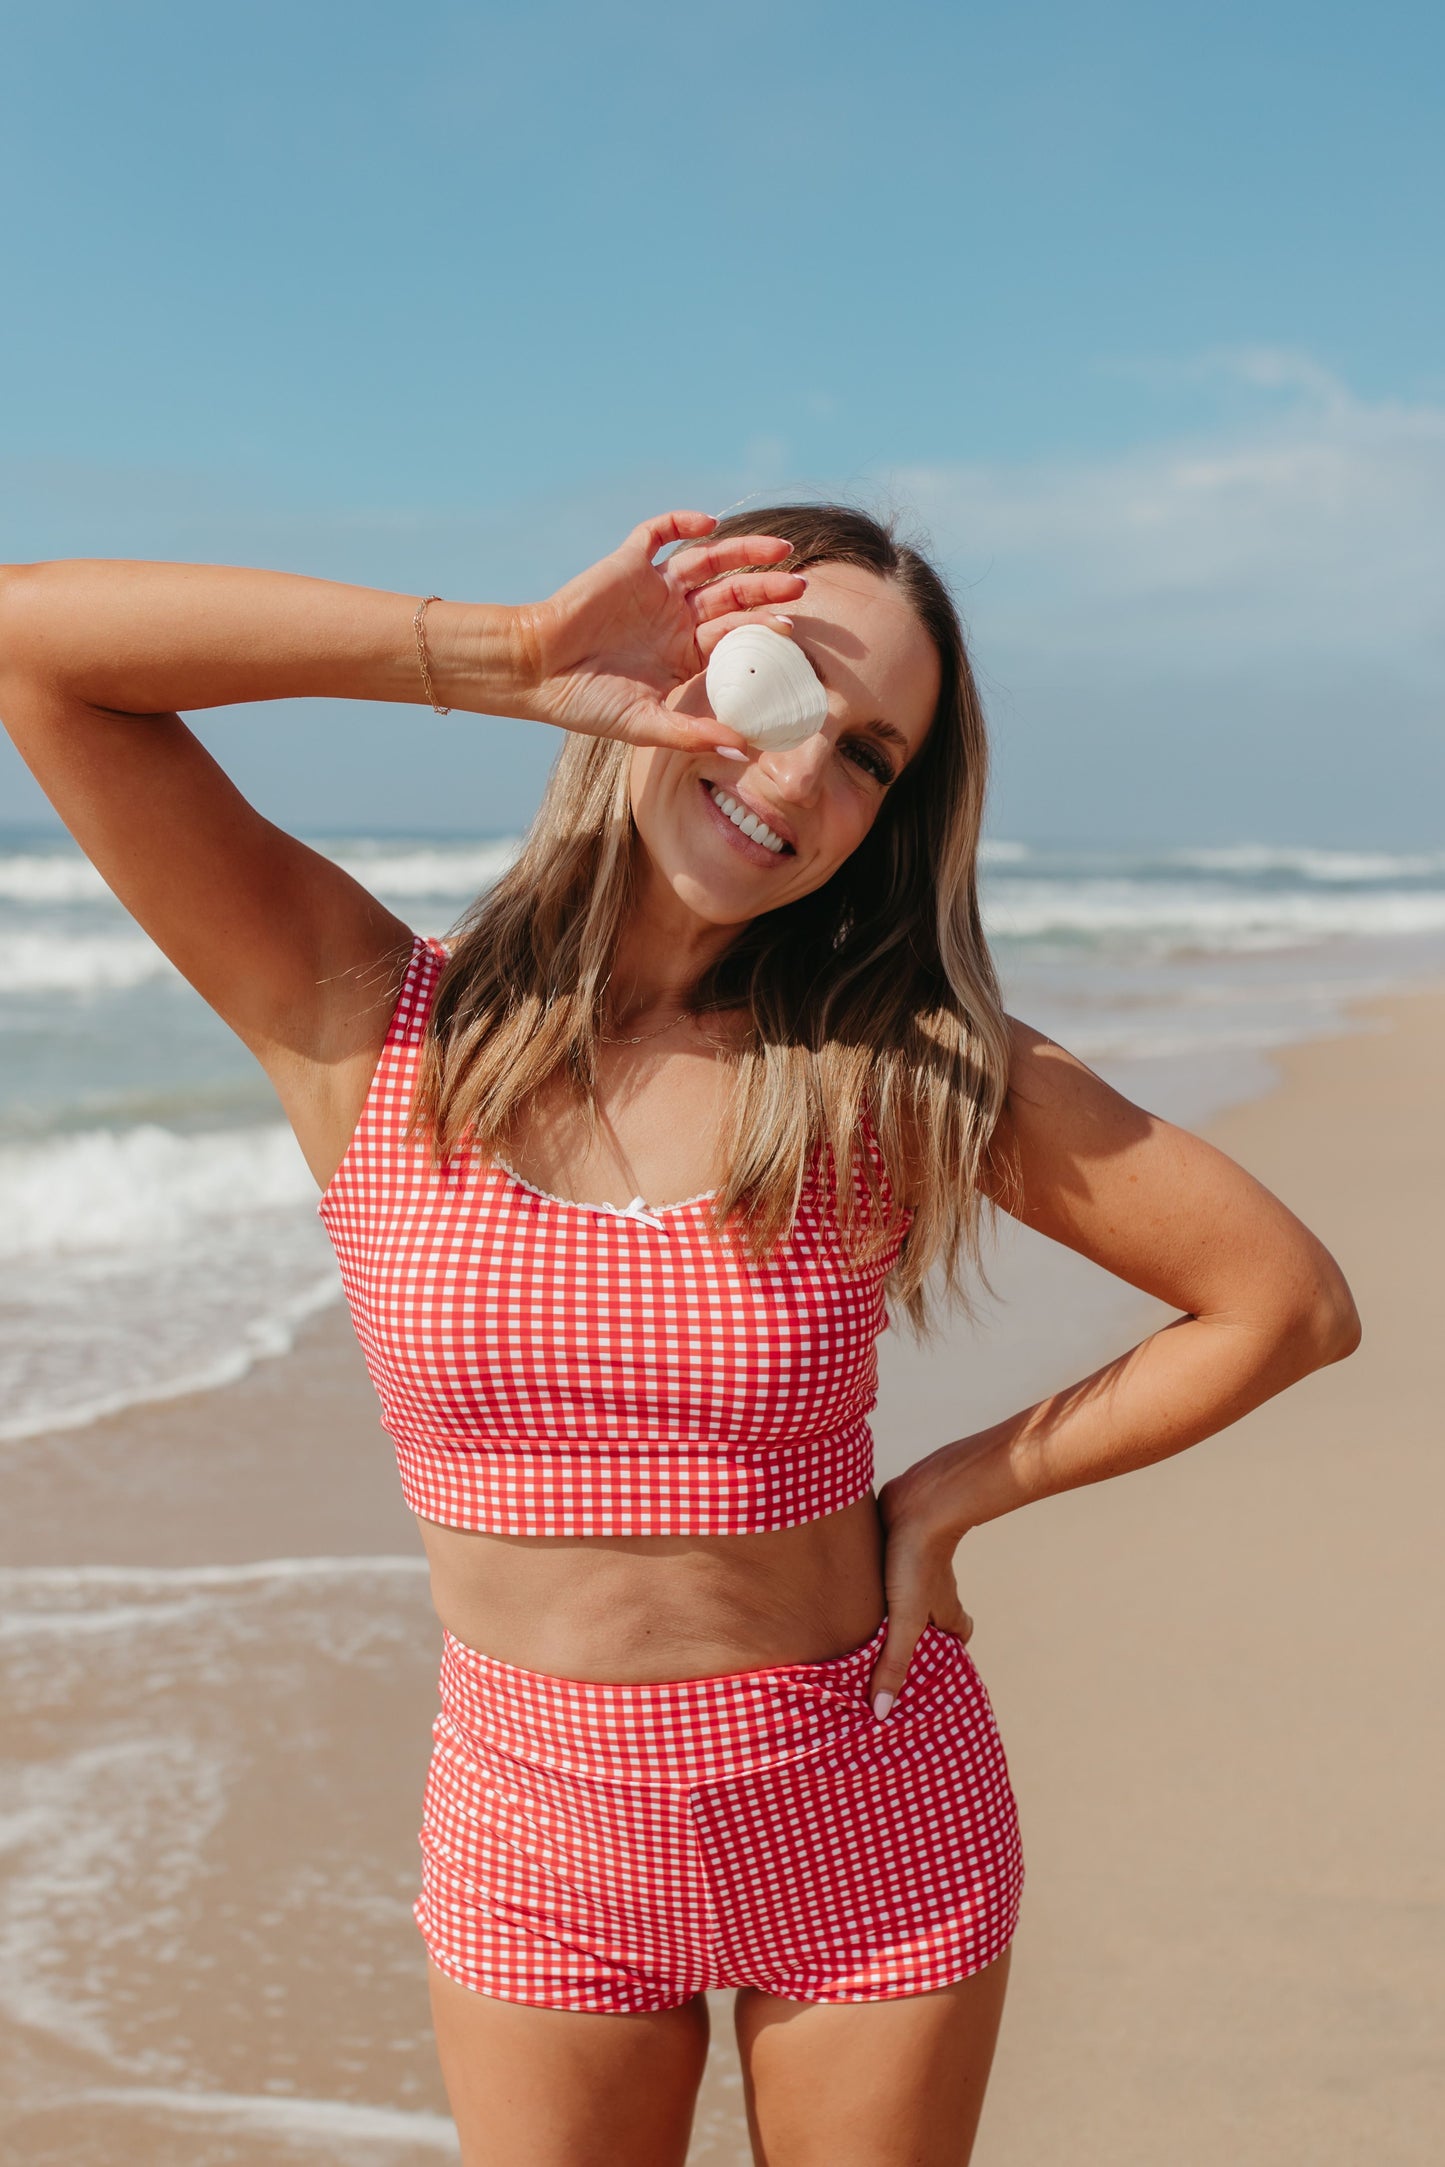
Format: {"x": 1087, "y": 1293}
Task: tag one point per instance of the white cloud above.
{"x": 1309, "y": 531}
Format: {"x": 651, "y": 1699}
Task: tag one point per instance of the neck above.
{"x": 662, "y": 951}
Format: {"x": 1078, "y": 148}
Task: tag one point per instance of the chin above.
{"x": 703, "y": 900}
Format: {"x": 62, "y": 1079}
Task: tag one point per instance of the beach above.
{"x": 1217, "y": 1680}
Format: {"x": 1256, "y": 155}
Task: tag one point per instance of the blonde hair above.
{"x": 875, "y": 990}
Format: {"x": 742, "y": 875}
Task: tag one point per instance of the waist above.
{"x": 650, "y": 1609}
{"x": 677, "y": 1732}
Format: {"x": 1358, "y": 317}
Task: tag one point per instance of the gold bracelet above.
{"x": 418, "y": 623}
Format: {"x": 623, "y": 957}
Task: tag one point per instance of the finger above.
{"x": 655, "y": 534}
{"x": 891, "y": 1668}
{"x": 659, "y": 725}
{"x": 708, "y": 635}
{"x": 690, "y": 567}
{"x": 746, "y": 591}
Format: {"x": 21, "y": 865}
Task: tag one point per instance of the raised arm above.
{"x": 97, "y": 657}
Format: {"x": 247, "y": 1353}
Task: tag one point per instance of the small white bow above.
{"x": 637, "y": 1209}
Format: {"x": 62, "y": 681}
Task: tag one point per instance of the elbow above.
{"x": 1326, "y": 1326}
{"x": 1348, "y": 1329}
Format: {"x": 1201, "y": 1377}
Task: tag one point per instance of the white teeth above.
{"x": 748, "y": 822}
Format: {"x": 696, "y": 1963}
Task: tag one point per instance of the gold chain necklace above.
{"x": 604, "y": 1040}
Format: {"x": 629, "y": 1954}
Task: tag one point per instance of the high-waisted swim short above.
{"x": 622, "y": 1847}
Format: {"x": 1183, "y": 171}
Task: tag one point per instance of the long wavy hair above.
{"x": 876, "y": 988}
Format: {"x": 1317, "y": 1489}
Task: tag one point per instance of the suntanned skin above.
{"x": 304, "y": 964}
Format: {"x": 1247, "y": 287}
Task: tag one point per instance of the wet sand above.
{"x": 1217, "y": 1681}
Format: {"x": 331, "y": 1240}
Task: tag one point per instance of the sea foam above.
{"x": 307, "y": 2123}
{"x": 140, "y": 1264}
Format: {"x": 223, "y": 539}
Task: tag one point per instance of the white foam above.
{"x": 423, "y": 868}
{"x": 142, "y": 1186}
{"x": 141, "y": 1264}
{"x": 17, "y": 1581}
{"x": 1312, "y": 864}
{"x": 1165, "y": 917}
{"x": 82, "y": 1829}
{"x": 49, "y": 877}
{"x": 77, "y": 963}
{"x": 133, "y": 1748}
{"x": 76, "y": 1407}
{"x": 432, "y": 869}
{"x": 289, "y": 2119}
{"x": 40, "y": 1600}
{"x": 98, "y": 1624}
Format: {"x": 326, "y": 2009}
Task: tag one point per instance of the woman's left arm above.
{"x": 1264, "y": 1303}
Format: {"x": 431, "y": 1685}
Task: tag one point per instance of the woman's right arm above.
{"x": 95, "y": 659}
{"x": 98, "y": 656}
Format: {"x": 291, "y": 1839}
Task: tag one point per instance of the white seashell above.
{"x": 764, "y": 687}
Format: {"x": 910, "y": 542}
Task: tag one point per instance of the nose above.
{"x": 796, "y": 771}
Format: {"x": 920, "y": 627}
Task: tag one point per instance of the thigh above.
{"x": 894, "y": 2083}
{"x": 566, "y": 2087}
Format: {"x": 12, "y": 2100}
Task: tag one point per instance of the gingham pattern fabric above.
{"x": 557, "y": 1368}
{"x": 624, "y": 1847}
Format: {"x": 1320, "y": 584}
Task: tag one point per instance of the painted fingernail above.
{"x": 730, "y": 752}
{"x": 882, "y": 1702}
{"x": 783, "y": 620}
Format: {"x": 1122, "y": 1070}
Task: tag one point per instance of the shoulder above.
{"x": 1051, "y": 1091}
{"x": 1050, "y": 1094}
{"x": 1069, "y": 1146}
{"x": 1056, "y": 1114}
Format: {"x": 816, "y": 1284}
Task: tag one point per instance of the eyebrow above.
{"x": 878, "y": 727}
{"x": 891, "y": 731}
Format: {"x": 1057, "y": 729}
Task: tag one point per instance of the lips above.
{"x": 779, "y": 827}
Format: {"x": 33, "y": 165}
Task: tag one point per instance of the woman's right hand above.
{"x": 605, "y": 652}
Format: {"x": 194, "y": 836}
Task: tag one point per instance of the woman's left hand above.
{"x": 918, "y": 1581}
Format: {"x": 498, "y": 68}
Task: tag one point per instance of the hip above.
{"x": 684, "y": 1733}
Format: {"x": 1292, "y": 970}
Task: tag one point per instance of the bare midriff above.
{"x": 641, "y": 1609}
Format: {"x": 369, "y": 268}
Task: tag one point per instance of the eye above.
{"x": 877, "y": 763}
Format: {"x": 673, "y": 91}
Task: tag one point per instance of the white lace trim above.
{"x": 639, "y": 1208}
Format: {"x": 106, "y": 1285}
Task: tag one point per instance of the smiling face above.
{"x": 818, "y": 799}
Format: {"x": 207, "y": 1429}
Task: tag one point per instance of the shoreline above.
{"x": 1213, "y": 1680}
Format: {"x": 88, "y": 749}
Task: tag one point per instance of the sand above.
{"x": 1218, "y": 1682}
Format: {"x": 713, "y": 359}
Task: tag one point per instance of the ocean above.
{"x": 157, "y": 1221}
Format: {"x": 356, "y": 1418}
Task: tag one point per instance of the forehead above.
{"x": 868, "y": 645}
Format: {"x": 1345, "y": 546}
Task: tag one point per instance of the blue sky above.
{"x": 1135, "y": 312}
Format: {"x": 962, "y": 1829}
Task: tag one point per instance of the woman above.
{"x": 618, "y": 1183}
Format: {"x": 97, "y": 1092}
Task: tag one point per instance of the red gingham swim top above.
{"x": 555, "y": 1368}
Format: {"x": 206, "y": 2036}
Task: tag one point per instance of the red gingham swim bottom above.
{"x": 622, "y": 1847}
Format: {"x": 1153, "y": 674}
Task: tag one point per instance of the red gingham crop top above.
{"x": 556, "y": 1368}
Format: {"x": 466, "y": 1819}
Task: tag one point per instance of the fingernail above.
{"x": 730, "y": 752}
{"x": 882, "y": 1702}
{"x": 783, "y": 620}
